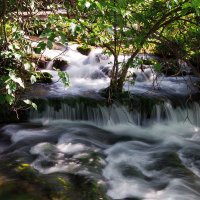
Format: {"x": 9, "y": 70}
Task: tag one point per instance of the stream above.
{"x": 81, "y": 151}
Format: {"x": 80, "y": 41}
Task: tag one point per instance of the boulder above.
{"x": 84, "y": 50}
{"x": 44, "y": 77}
{"x": 60, "y": 64}
{"x": 97, "y": 75}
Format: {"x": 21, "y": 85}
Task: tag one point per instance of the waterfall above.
{"x": 99, "y": 115}
{"x": 189, "y": 113}
{"x": 102, "y": 115}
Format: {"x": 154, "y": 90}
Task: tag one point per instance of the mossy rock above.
{"x": 40, "y": 61}
{"x": 10, "y": 189}
{"x": 44, "y": 77}
{"x": 60, "y": 64}
{"x": 36, "y": 186}
{"x": 84, "y": 50}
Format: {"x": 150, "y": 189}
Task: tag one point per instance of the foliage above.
{"x": 17, "y": 70}
{"x": 128, "y": 26}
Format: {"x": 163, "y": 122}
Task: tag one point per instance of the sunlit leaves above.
{"x": 16, "y": 79}
{"x": 64, "y": 77}
{"x": 29, "y": 102}
{"x": 27, "y": 66}
{"x": 196, "y": 6}
{"x": 87, "y": 4}
{"x": 73, "y": 27}
{"x": 40, "y": 47}
{"x": 33, "y": 79}
{"x": 11, "y": 87}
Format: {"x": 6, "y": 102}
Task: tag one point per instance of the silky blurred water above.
{"x": 158, "y": 161}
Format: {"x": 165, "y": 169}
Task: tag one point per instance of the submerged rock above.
{"x": 97, "y": 75}
{"x": 106, "y": 70}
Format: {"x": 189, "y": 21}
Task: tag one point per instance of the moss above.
{"x": 44, "y": 77}
{"x": 36, "y": 186}
{"x": 84, "y": 50}
{"x": 82, "y": 188}
{"x": 11, "y": 189}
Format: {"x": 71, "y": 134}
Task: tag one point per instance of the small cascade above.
{"x": 86, "y": 73}
{"x": 102, "y": 115}
{"x": 79, "y": 65}
{"x": 166, "y": 112}
{"x": 92, "y": 73}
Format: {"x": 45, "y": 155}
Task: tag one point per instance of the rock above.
{"x": 97, "y": 75}
{"x": 44, "y": 77}
{"x": 106, "y": 70}
{"x": 60, "y": 64}
{"x": 84, "y": 50}
{"x": 40, "y": 61}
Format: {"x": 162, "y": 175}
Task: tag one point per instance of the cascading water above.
{"x": 108, "y": 145}
{"x": 158, "y": 161}
{"x": 89, "y": 74}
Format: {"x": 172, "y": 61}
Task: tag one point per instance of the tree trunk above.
{"x": 121, "y": 80}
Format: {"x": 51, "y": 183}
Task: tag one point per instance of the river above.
{"x": 83, "y": 151}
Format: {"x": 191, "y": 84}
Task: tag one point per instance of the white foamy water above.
{"x": 84, "y": 72}
{"x": 137, "y": 168}
{"x": 158, "y": 161}
{"x": 89, "y": 74}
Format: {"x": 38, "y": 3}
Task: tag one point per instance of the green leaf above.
{"x": 49, "y": 44}
{"x": 10, "y": 99}
{"x": 157, "y": 67}
{"x": 29, "y": 102}
{"x": 18, "y": 80}
{"x": 40, "y": 47}
{"x": 64, "y": 77}
{"x": 33, "y": 79}
{"x": 27, "y": 66}
{"x": 87, "y": 4}
{"x": 11, "y": 87}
